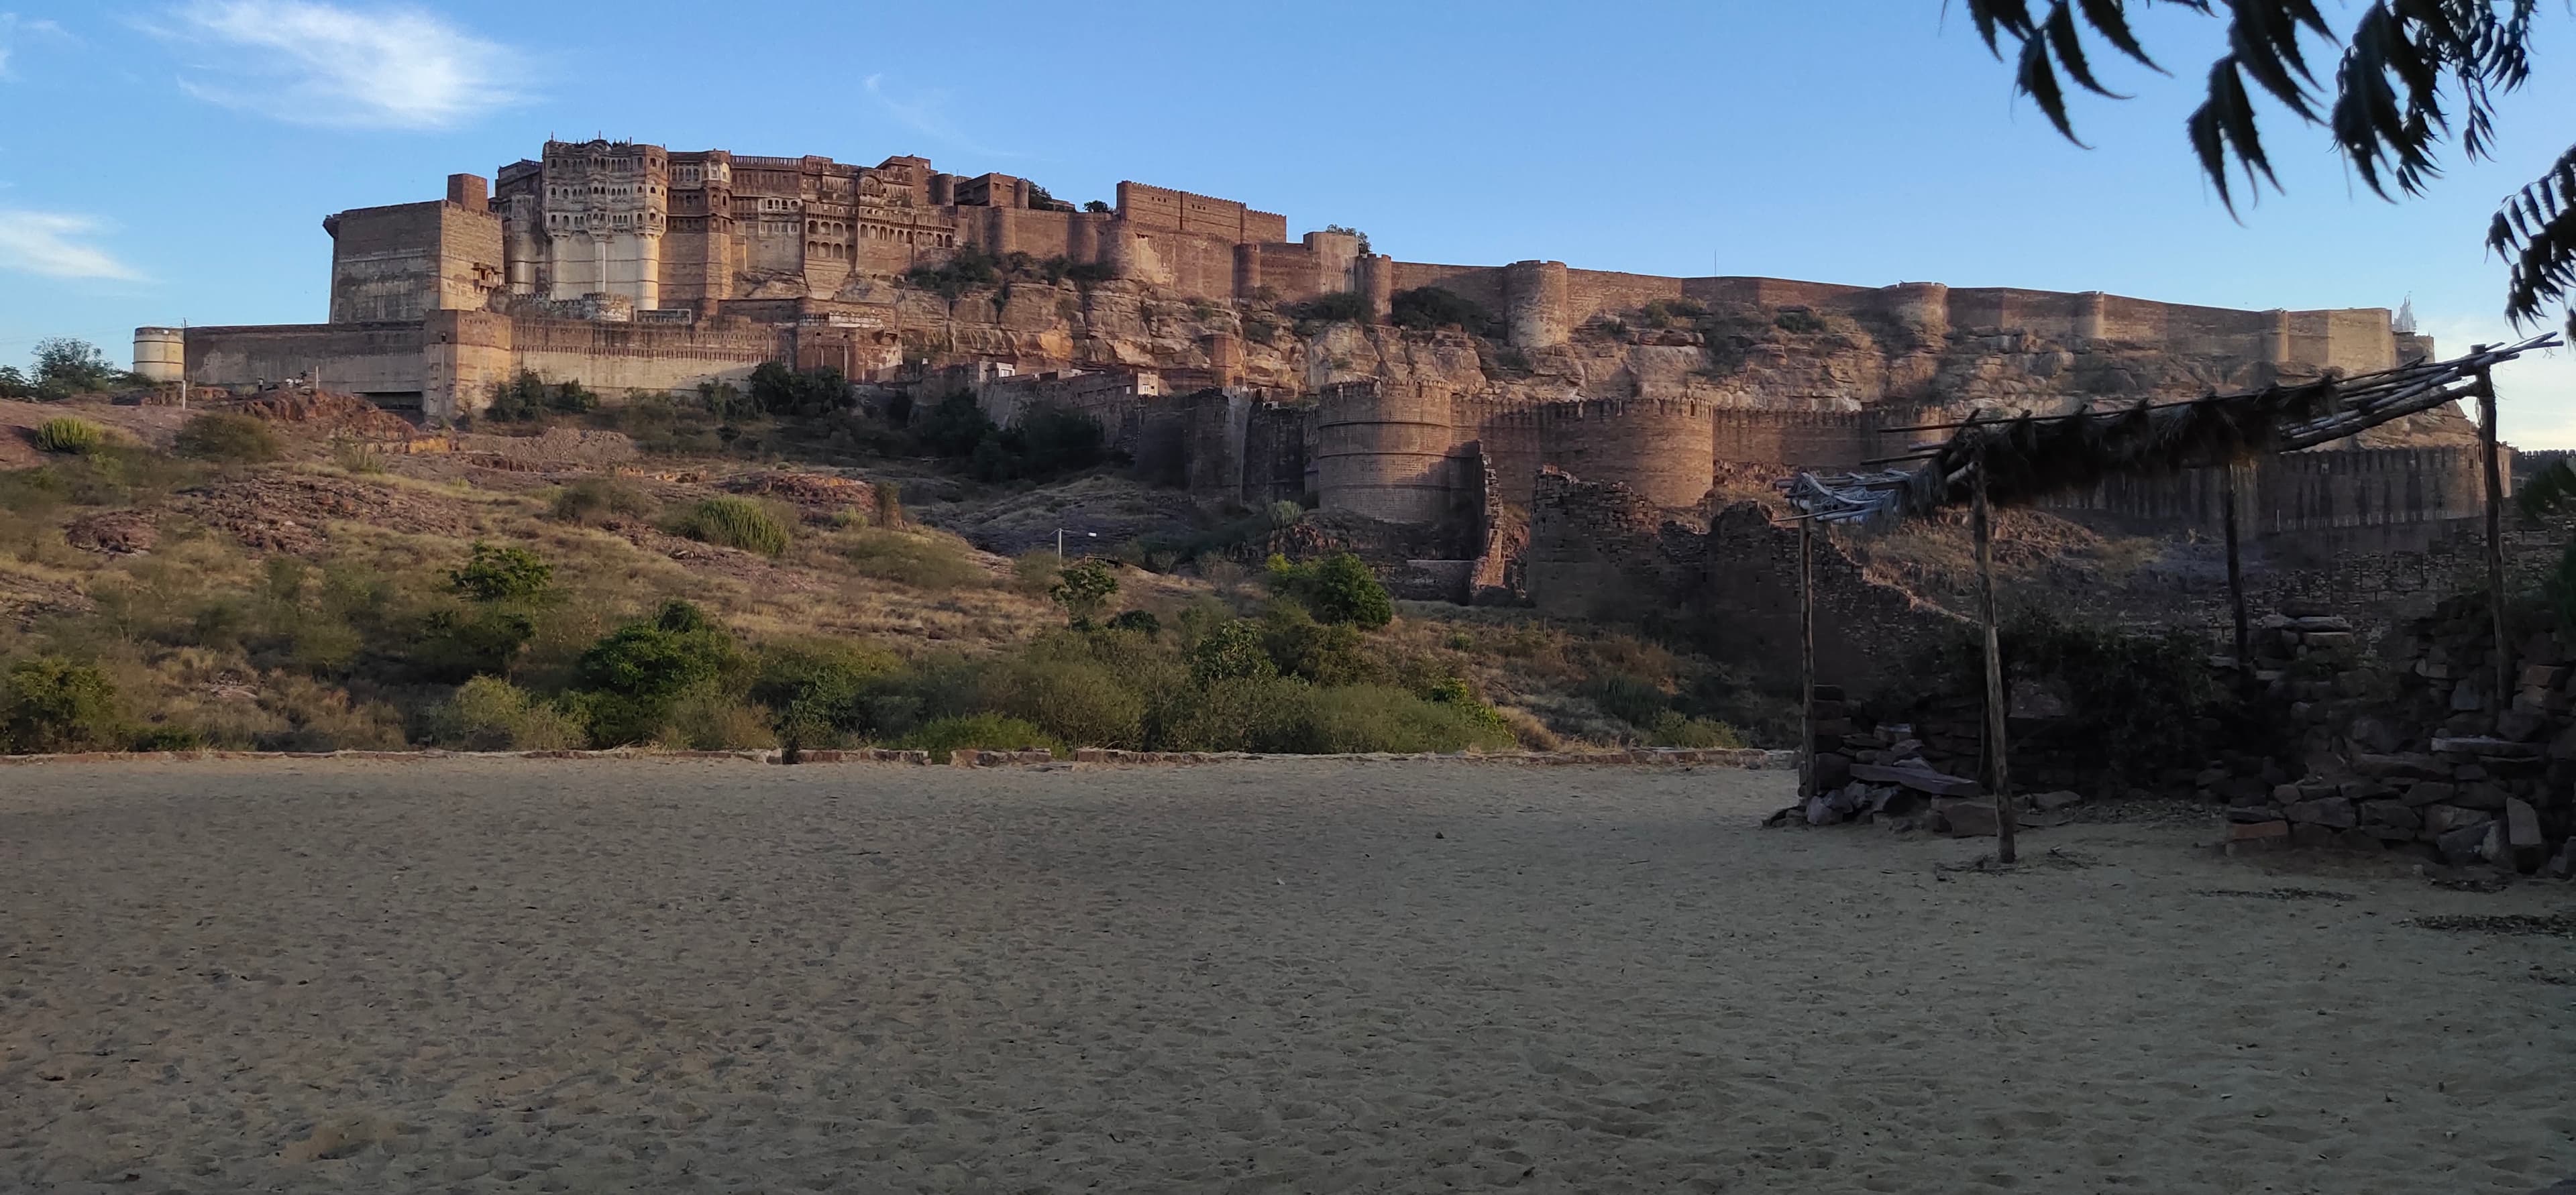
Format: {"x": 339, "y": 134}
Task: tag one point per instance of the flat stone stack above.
{"x": 2412, "y": 750}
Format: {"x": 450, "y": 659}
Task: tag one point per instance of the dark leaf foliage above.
{"x": 2414, "y": 74}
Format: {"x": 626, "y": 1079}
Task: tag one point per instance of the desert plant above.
{"x": 921, "y": 560}
{"x": 1427, "y": 307}
{"x": 593, "y": 500}
{"x": 1338, "y": 307}
{"x": 1083, "y": 589}
{"x": 632, "y": 676}
{"x": 1231, "y": 650}
{"x": 456, "y": 645}
{"x": 228, "y": 437}
{"x": 69, "y": 436}
{"x": 1141, "y": 622}
{"x": 491, "y": 714}
{"x": 501, "y": 572}
{"x": 1337, "y": 589}
{"x": 52, "y": 704}
{"x": 889, "y": 496}
{"x": 1320, "y": 652}
{"x": 734, "y": 522}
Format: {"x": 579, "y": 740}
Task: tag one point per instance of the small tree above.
{"x": 1231, "y": 650}
{"x": 1338, "y": 589}
{"x": 66, "y": 365}
{"x": 1084, "y": 590}
{"x": 495, "y": 573}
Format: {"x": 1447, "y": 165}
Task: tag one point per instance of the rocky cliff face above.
{"x": 1745, "y": 356}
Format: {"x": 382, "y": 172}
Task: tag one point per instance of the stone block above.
{"x": 2462, "y": 846}
{"x": 2412, "y": 765}
{"x": 2333, "y": 813}
{"x": 2051, "y": 802}
{"x": 2286, "y": 794}
{"x": 2265, "y": 812}
{"x": 2396, "y": 815}
{"x": 2467, "y": 698}
{"x": 2310, "y": 835}
{"x": 2485, "y": 746}
{"x": 2440, "y": 820}
{"x": 1922, "y": 780}
{"x": 2543, "y": 676}
{"x": 2326, "y": 640}
{"x": 2248, "y": 831}
{"x": 2366, "y": 790}
{"x": 1967, "y": 819}
{"x": 1832, "y": 771}
{"x": 2483, "y": 794}
{"x": 2520, "y": 725}
{"x": 2522, "y": 838}
{"x": 2431, "y": 792}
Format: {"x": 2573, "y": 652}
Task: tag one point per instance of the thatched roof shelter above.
{"x": 2030, "y": 457}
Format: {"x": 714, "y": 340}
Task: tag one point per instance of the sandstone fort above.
{"x": 1433, "y": 400}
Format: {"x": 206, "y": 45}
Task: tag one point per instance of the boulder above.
{"x": 2543, "y": 676}
{"x": 2371, "y": 733}
{"x": 2520, "y": 724}
{"x": 2461, "y": 847}
{"x": 2562, "y": 866}
{"x": 1821, "y": 811}
{"x": 2522, "y": 840}
{"x": 2366, "y": 790}
{"x": 2467, "y": 698}
{"x": 2052, "y": 802}
{"x": 2333, "y": 813}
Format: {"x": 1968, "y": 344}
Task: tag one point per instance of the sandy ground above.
{"x": 693, "y": 976}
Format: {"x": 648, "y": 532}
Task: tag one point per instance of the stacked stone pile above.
{"x": 1880, "y": 775}
{"x": 2411, "y": 750}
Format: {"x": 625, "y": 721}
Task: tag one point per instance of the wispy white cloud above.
{"x": 56, "y": 245}
{"x": 2536, "y": 394}
{"x": 15, "y": 28}
{"x": 324, "y": 64}
{"x": 926, "y": 113}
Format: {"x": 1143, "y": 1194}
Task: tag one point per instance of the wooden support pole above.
{"x": 1807, "y": 658}
{"x": 1997, "y": 707}
{"x": 2236, "y": 575}
{"x": 2487, "y": 455}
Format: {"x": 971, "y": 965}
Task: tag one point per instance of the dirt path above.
{"x": 689, "y": 976}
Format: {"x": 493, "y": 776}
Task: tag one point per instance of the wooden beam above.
{"x": 2227, "y": 481}
{"x": 2487, "y": 454}
{"x": 1998, "y": 708}
{"x": 1807, "y": 659}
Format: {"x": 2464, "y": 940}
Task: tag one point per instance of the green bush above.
{"x": 631, "y": 677}
{"x": 1798, "y": 320}
{"x": 1084, "y": 588}
{"x": 817, "y": 692}
{"x": 984, "y": 732}
{"x": 49, "y": 704}
{"x": 452, "y": 646}
{"x": 1339, "y": 307}
{"x": 1076, "y": 701}
{"x": 164, "y": 736}
{"x": 804, "y": 393}
{"x": 227, "y": 437}
{"x": 1428, "y": 307}
{"x": 1322, "y": 653}
{"x": 922, "y": 560}
{"x": 953, "y": 426}
{"x": 69, "y": 436}
{"x": 734, "y": 522}
{"x": 1336, "y": 589}
{"x": 1639, "y": 703}
{"x": 1672, "y": 728}
{"x": 1141, "y": 622}
{"x": 594, "y": 500}
{"x": 1231, "y": 650}
{"x": 491, "y": 714}
{"x": 528, "y": 397}
{"x": 1363, "y": 718}
{"x": 968, "y": 269}
{"x": 503, "y": 572}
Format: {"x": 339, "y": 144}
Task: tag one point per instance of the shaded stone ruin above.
{"x": 2411, "y": 749}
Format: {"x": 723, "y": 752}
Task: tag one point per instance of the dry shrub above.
{"x": 712, "y": 720}
{"x": 920, "y": 559}
{"x": 733, "y": 522}
{"x": 595, "y": 500}
{"x": 491, "y": 714}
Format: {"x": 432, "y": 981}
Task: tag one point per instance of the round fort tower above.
{"x": 1664, "y": 449}
{"x": 161, "y": 354}
{"x": 1382, "y": 450}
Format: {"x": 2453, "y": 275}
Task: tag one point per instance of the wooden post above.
{"x": 1807, "y": 657}
{"x": 2236, "y": 576}
{"x": 1998, "y": 708}
{"x": 2487, "y": 454}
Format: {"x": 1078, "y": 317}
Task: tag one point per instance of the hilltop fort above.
{"x": 1223, "y": 356}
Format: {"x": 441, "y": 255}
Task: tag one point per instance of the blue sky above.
{"x": 173, "y": 160}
